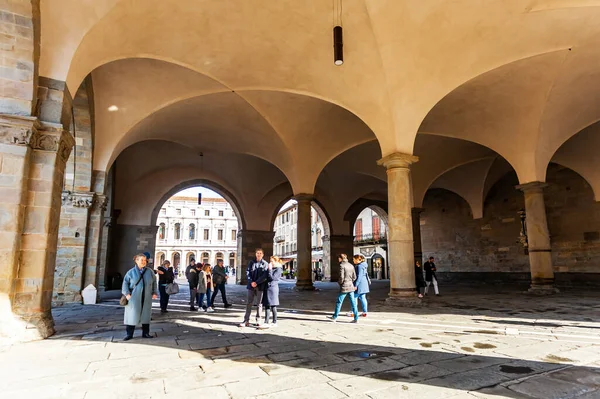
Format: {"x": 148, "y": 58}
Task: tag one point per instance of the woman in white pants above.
{"x": 430, "y": 276}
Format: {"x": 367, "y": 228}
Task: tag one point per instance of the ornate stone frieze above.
{"x": 77, "y": 200}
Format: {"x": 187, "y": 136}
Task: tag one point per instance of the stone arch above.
{"x": 176, "y": 259}
{"x": 202, "y": 183}
{"x": 189, "y": 256}
{"x": 379, "y": 207}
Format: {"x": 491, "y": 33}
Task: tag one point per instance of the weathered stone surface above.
{"x": 549, "y": 388}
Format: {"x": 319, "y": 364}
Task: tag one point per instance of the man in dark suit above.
{"x": 430, "y": 276}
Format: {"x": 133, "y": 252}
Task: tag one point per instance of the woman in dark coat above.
{"x": 139, "y": 287}
{"x": 166, "y": 276}
{"x": 271, "y": 299}
{"x": 419, "y": 279}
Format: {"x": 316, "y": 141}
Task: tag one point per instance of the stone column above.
{"x": 15, "y": 153}
{"x": 304, "y": 266}
{"x": 400, "y": 239}
{"x": 248, "y": 241}
{"x": 51, "y": 147}
{"x": 70, "y": 256}
{"x": 338, "y": 244}
{"x": 538, "y": 238}
{"x": 416, "y": 229}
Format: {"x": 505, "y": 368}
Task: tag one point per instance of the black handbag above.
{"x": 124, "y": 301}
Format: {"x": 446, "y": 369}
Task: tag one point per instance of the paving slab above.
{"x": 549, "y": 388}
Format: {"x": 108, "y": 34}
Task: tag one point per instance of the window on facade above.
{"x": 221, "y": 213}
{"x": 376, "y": 227}
{"x": 219, "y": 256}
{"x": 287, "y": 248}
{"x": 193, "y": 212}
{"x": 232, "y": 260}
{"x": 233, "y": 235}
{"x": 282, "y": 219}
{"x": 219, "y": 234}
{"x": 205, "y": 234}
{"x": 205, "y": 257}
{"x": 192, "y": 231}
{"x": 207, "y": 213}
{"x": 163, "y": 211}
{"x": 358, "y": 229}
{"x": 287, "y": 217}
{"x": 177, "y": 231}
{"x": 161, "y": 231}
{"x": 178, "y": 211}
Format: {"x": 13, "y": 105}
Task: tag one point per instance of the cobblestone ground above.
{"x": 468, "y": 343}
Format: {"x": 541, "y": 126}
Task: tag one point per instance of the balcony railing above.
{"x": 279, "y": 238}
{"x": 370, "y": 239}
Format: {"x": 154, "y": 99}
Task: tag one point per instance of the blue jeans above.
{"x": 200, "y": 298}
{"x": 340, "y": 301}
{"x": 363, "y": 302}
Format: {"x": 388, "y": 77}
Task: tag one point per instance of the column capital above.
{"x": 304, "y": 197}
{"x": 53, "y": 138}
{"x": 397, "y": 160}
{"x": 77, "y": 199}
{"x": 534, "y": 186}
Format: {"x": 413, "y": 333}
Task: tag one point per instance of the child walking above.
{"x": 271, "y": 299}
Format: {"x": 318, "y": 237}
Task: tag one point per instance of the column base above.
{"x": 304, "y": 286}
{"x": 26, "y": 328}
{"x": 543, "y": 286}
{"x": 404, "y": 297}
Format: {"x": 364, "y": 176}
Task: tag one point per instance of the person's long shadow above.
{"x": 213, "y": 337}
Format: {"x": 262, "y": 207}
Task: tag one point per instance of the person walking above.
{"x": 362, "y": 282}
{"x": 430, "y": 276}
{"x": 139, "y": 287}
{"x": 166, "y": 276}
{"x": 419, "y": 279}
{"x": 220, "y": 281}
{"x": 256, "y": 273}
{"x": 271, "y": 297}
{"x": 347, "y": 288}
{"x": 191, "y": 273}
{"x": 202, "y": 287}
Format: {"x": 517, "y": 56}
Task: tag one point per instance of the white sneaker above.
{"x": 210, "y": 310}
{"x": 331, "y": 318}
{"x": 350, "y": 314}
{"x": 264, "y": 326}
{"x": 274, "y": 325}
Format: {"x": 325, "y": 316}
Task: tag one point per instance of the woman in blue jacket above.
{"x": 139, "y": 287}
{"x": 362, "y": 282}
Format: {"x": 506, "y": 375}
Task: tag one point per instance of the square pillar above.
{"x": 333, "y": 246}
{"x": 248, "y": 241}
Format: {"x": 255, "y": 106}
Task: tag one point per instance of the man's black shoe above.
{"x": 228, "y": 305}
{"x": 127, "y": 338}
{"x": 147, "y": 336}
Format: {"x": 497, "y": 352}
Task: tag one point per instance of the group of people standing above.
{"x": 202, "y": 279}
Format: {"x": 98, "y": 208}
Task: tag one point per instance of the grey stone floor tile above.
{"x": 471, "y": 362}
{"x": 370, "y": 366}
{"x": 588, "y": 376}
{"x": 412, "y": 374}
{"x": 549, "y": 388}
{"x": 469, "y": 380}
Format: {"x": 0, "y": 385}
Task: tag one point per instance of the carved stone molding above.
{"x": 17, "y": 130}
{"x": 54, "y": 138}
{"x": 77, "y": 200}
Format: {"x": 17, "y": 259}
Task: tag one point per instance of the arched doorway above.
{"x": 285, "y": 243}
{"x": 176, "y": 260}
{"x": 218, "y": 257}
{"x": 370, "y": 239}
{"x": 198, "y": 223}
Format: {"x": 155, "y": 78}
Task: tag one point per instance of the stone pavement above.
{"x": 469, "y": 343}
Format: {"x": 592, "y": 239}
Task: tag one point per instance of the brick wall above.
{"x": 463, "y": 245}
